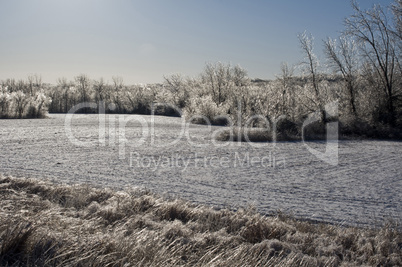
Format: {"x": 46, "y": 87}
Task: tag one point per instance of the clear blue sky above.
{"x": 144, "y": 40}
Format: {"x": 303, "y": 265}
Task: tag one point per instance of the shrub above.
{"x": 357, "y": 128}
{"x": 204, "y": 110}
{"x": 287, "y": 130}
{"x": 245, "y": 135}
{"x": 314, "y": 131}
{"x": 20, "y": 105}
{"x": 164, "y": 109}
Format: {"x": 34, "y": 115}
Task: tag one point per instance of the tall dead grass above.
{"x": 44, "y": 224}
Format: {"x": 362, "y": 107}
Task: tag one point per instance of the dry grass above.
{"x": 43, "y": 224}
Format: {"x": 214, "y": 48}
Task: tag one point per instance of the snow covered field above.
{"x": 178, "y": 159}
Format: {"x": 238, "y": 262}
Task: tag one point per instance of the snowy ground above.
{"x": 177, "y": 159}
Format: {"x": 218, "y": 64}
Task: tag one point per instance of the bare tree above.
{"x": 342, "y": 59}
{"x": 178, "y": 88}
{"x": 239, "y": 76}
{"x": 218, "y": 78}
{"x": 67, "y": 100}
{"x": 223, "y": 79}
{"x": 4, "y": 101}
{"x": 21, "y": 102}
{"x": 100, "y": 90}
{"x": 287, "y": 94}
{"x": 34, "y": 83}
{"x": 372, "y": 30}
{"x": 83, "y": 85}
{"x": 118, "y": 87}
{"x": 397, "y": 11}
{"x": 11, "y": 85}
{"x": 21, "y": 86}
{"x": 38, "y": 81}
{"x": 31, "y": 84}
{"x": 311, "y": 63}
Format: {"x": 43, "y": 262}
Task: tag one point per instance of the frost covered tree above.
{"x": 374, "y": 31}
{"x": 100, "y": 90}
{"x": 67, "y": 100}
{"x": 286, "y": 90}
{"x": 34, "y": 83}
{"x": 20, "y": 102}
{"x": 83, "y": 85}
{"x": 218, "y": 78}
{"x": 311, "y": 65}
{"x": 31, "y": 84}
{"x": 397, "y": 11}
{"x": 4, "y": 101}
{"x": 177, "y": 86}
{"x": 117, "y": 98}
{"x": 343, "y": 58}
